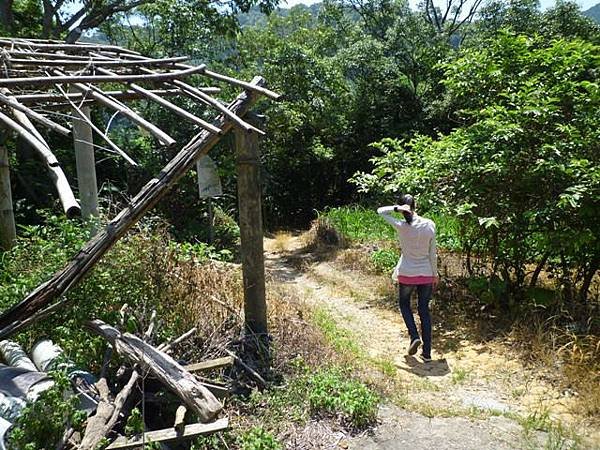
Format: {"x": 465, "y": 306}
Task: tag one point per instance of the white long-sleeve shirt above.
{"x": 417, "y": 242}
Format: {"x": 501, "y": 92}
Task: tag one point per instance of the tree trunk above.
{"x": 6, "y": 15}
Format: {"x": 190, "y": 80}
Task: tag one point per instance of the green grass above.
{"x": 359, "y": 224}
{"x": 340, "y": 338}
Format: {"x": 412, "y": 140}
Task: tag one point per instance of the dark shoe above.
{"x": 414, "y": 346}
{"x": 426, "y": 359}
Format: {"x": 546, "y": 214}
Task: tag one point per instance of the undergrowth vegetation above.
{"x": 559, "y": 337}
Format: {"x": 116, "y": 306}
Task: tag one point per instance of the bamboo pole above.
{"x": 93, "y": 62}
{"x": 86, "y": 119}
{"x": 197, "y": 94}
{"x": 63, "y": 188}
{"x": 119, "y": 95}
{"x": 82, "y": 47}
{"x": 86, "y": 164}
{"x": 8, "y": 231}
{"x": 15, "y": 105}
{"x": 251, "y": 232}
{"x": 98, "y": 95}
{"x": 62, "y": 79}
{"x": 161, "y": 101}
{"x": 39, "y": 303}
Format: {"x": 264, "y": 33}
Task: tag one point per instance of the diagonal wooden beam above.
{"x": 42, "y": 300}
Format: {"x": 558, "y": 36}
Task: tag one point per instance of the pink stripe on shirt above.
{"x": 402, "y": 279}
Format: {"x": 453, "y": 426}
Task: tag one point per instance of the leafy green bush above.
{"x": 333, "y": 392}
{"x": 43, "y": 422}
{"x": 258, "y": 439}
{"x": 357, "y": 223}
{"x": 385, "y": 259}
{"x": 145, "y": 270}
{"x": 329, "y": 391}
{"x": 522, "y": 175}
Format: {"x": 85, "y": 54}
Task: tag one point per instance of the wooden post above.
{"x": 8, "y": 231}
{"x": 251, "y": 231}
{"x": 86, "y": 165}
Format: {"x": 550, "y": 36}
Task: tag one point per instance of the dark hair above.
{"x": 407, "y": 199}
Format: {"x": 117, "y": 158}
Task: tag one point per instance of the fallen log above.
{"x": 196, "y": 396}
{"x": 39, "y": 303}
{"x": 170, "y": 434}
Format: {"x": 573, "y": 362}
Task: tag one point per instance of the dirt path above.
{"x": 467, "y": 398}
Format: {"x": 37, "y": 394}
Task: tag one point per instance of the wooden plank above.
{"x": 210, "y": 364}
{"x": 40, "y": 301}
{"x": 170, "y": 434}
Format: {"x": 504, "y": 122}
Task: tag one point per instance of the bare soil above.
{"x": 468, "y": 397}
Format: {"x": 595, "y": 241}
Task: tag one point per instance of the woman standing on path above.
{"x": 417, "y": 268}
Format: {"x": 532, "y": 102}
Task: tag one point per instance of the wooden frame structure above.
{"x": 39, "y": 77}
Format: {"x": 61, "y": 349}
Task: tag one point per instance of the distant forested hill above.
{"x": 256, "y": 17}
{"x": 593, "y": 12}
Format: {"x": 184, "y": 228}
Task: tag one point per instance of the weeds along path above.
{"x": 473, "y": 395}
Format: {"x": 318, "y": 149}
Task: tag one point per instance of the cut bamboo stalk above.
{"x": 82, "y": 47}
{"x": 84, "y": 117}
{"x": 163, "y": 137}
{"x": 38, "y": 303}
{"x": 63, "y": 188}
{"x": 197, "y": 94}
{"x": 94, "y": 62}
{"x": 15, "y": 105}
{"x": 62, "y": 79}
{"x": 161, "y": 101}
{"x": 170, "y": 373}
{"x": 8, "y": 230}
{"x": 28, "y": 132}
{"x": 120, "y": 95}
{"x": 217, "y": 76}
{"x": 170, "y": 434}
{"x": 262, "y": 90}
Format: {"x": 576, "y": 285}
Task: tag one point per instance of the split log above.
{"x": 28, "y": 132}
{"x": 107, "y": 413}
{"x": 170, "y": 434}
{"x": 197, "y": 397}
{"x": 39, "y": 302}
